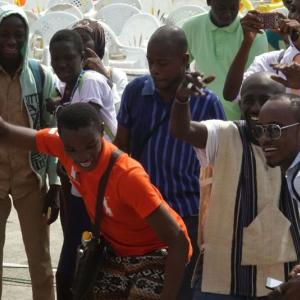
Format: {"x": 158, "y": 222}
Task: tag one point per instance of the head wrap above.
{"x": 96, "y": 32}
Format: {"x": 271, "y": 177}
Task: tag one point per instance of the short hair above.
{"x": 78, "y": 115}
{"x": 294, "y": 103}
{"x": 67, "y": 35}
{"x": 172, "y": 36}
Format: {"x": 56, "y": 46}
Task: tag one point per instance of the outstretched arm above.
{"x": 169, "y": 231}
{"x": 182, "y": 127}
{"x": 251, "y": 26}
{"x": 18, "y": 136}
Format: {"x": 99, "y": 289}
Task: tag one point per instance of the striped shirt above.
{"x": 171, "y": 164}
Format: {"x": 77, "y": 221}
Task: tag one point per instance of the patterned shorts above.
{"x": 131, "y": 277}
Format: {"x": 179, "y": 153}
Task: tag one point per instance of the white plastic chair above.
{"x": 31, "y": 17}
{"x": 115, "y": 15}
{"x": 138, "y": 29}
{"x": 180, "y": 14}
{"x": 131, "y": 59}
{"x": 180, "y": 3}
{"x": 36, "y": 6}
{"x": 101, "y": 3}
{"x": 85, "y": 6}
{"x": 43, "y": 29}
{"x": 65, "y": 7}
{"x": 3, "y": 3}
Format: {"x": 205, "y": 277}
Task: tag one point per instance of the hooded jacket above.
{"x": 37, "y": 114}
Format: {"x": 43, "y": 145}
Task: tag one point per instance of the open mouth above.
{"x": 268, "y": 151}
{"x": 86, "y": 164}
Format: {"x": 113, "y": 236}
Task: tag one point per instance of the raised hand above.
{"x": 291, "y": 72}
{"x": 192, "y": 84}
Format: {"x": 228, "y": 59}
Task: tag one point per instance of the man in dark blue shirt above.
{"x": 143, "y": 129}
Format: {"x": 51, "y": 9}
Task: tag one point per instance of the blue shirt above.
{"x": 171, "y": 163}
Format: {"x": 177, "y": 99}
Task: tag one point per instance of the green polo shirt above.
{"x": 214, "y": 49}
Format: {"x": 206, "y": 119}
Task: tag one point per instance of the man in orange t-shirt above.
{"x": 148, "y": 240}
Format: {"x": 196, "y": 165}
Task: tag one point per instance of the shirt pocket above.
{"x": 267, "y": 240}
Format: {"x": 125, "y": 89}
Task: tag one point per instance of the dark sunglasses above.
{"x": 272, "y": 131}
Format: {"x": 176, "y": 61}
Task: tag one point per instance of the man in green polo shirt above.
{"x": 213, "y": 40}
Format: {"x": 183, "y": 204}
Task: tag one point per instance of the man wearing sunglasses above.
{"x": 278, "y": 133}
{"x": 246, "y": 227}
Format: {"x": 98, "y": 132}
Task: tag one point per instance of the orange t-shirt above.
{"x": 129, "y": 196}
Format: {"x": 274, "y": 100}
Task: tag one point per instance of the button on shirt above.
{"x": 15, "y": 171}
{"x": 293, "y": 179}
{"x": 171, "y": 163}
{"x": 214, "y": 49}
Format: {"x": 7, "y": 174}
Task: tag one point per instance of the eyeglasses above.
{"x": 272, "y": 131}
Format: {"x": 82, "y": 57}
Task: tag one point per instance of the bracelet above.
{"x": 183, "y": 102}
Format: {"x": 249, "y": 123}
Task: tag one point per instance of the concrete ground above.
{"x": 16, "y": 280}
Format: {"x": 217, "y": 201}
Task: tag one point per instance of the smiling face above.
{"x": 255, "y": 91}
{"x": 66, "y": 60}
{"x": 82, "y": 145}
{"x": 282, "y": 151}
{"x": 12, "y": 38}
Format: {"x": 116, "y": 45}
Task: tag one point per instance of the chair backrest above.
{"x": 101, "y": 3}
{"x": 115, "y": 15}
{"x": 180, "y": 14}
{"x": 84, "y": 6}
{"x": 180, "y": 3}
{"x": 3, "y": 3}
{"x": 50, "y": 23}
{"x": 65, "y": 7}
{"x": 138, "y": 29}
{"x": 36, "y": 6}
{"x": 31, "y": 17}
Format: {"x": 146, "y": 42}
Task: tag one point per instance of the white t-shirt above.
{"x": 119, "y": 79}
{"x": 93, "y": 87}
{"x": 262, "y": 63}
{"x": 208, "y": 155}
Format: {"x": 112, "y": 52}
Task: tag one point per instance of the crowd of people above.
{"x": 216, "y": 107}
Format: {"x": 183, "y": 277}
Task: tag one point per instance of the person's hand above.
{"x": 51, "y": 204}
{"x": 93, "y": 62}
{"x": 52, "y": 104}
{"x": 291, "y": 28}
{"x": 291, "y": 72}
{"x": 251, "y": 24}
{"x": 192, "y": 84}
{"x": 295, "y": 272}
{"x": 287, "y": 291}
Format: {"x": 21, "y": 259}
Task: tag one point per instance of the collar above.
{"x": 295, "y": 162}
{"x": 230, "y": 28}
{"x": 149, "y": 88}
{"x": 18, "y": 72}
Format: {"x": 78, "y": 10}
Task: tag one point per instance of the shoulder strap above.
{"x": 39, "y": 78}
{"x": 101, "y": 189}
{"x": 149, "y": 134}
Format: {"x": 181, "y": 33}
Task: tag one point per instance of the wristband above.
{"x": 183, "y": 102}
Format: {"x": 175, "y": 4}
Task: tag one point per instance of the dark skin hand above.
{"x": 291, "y": 72}
{"x": 288, "y": 291}
{"x": 92, "y": 61}
{"x": 51, "y": 204}
{"x": 52, "y": 104}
